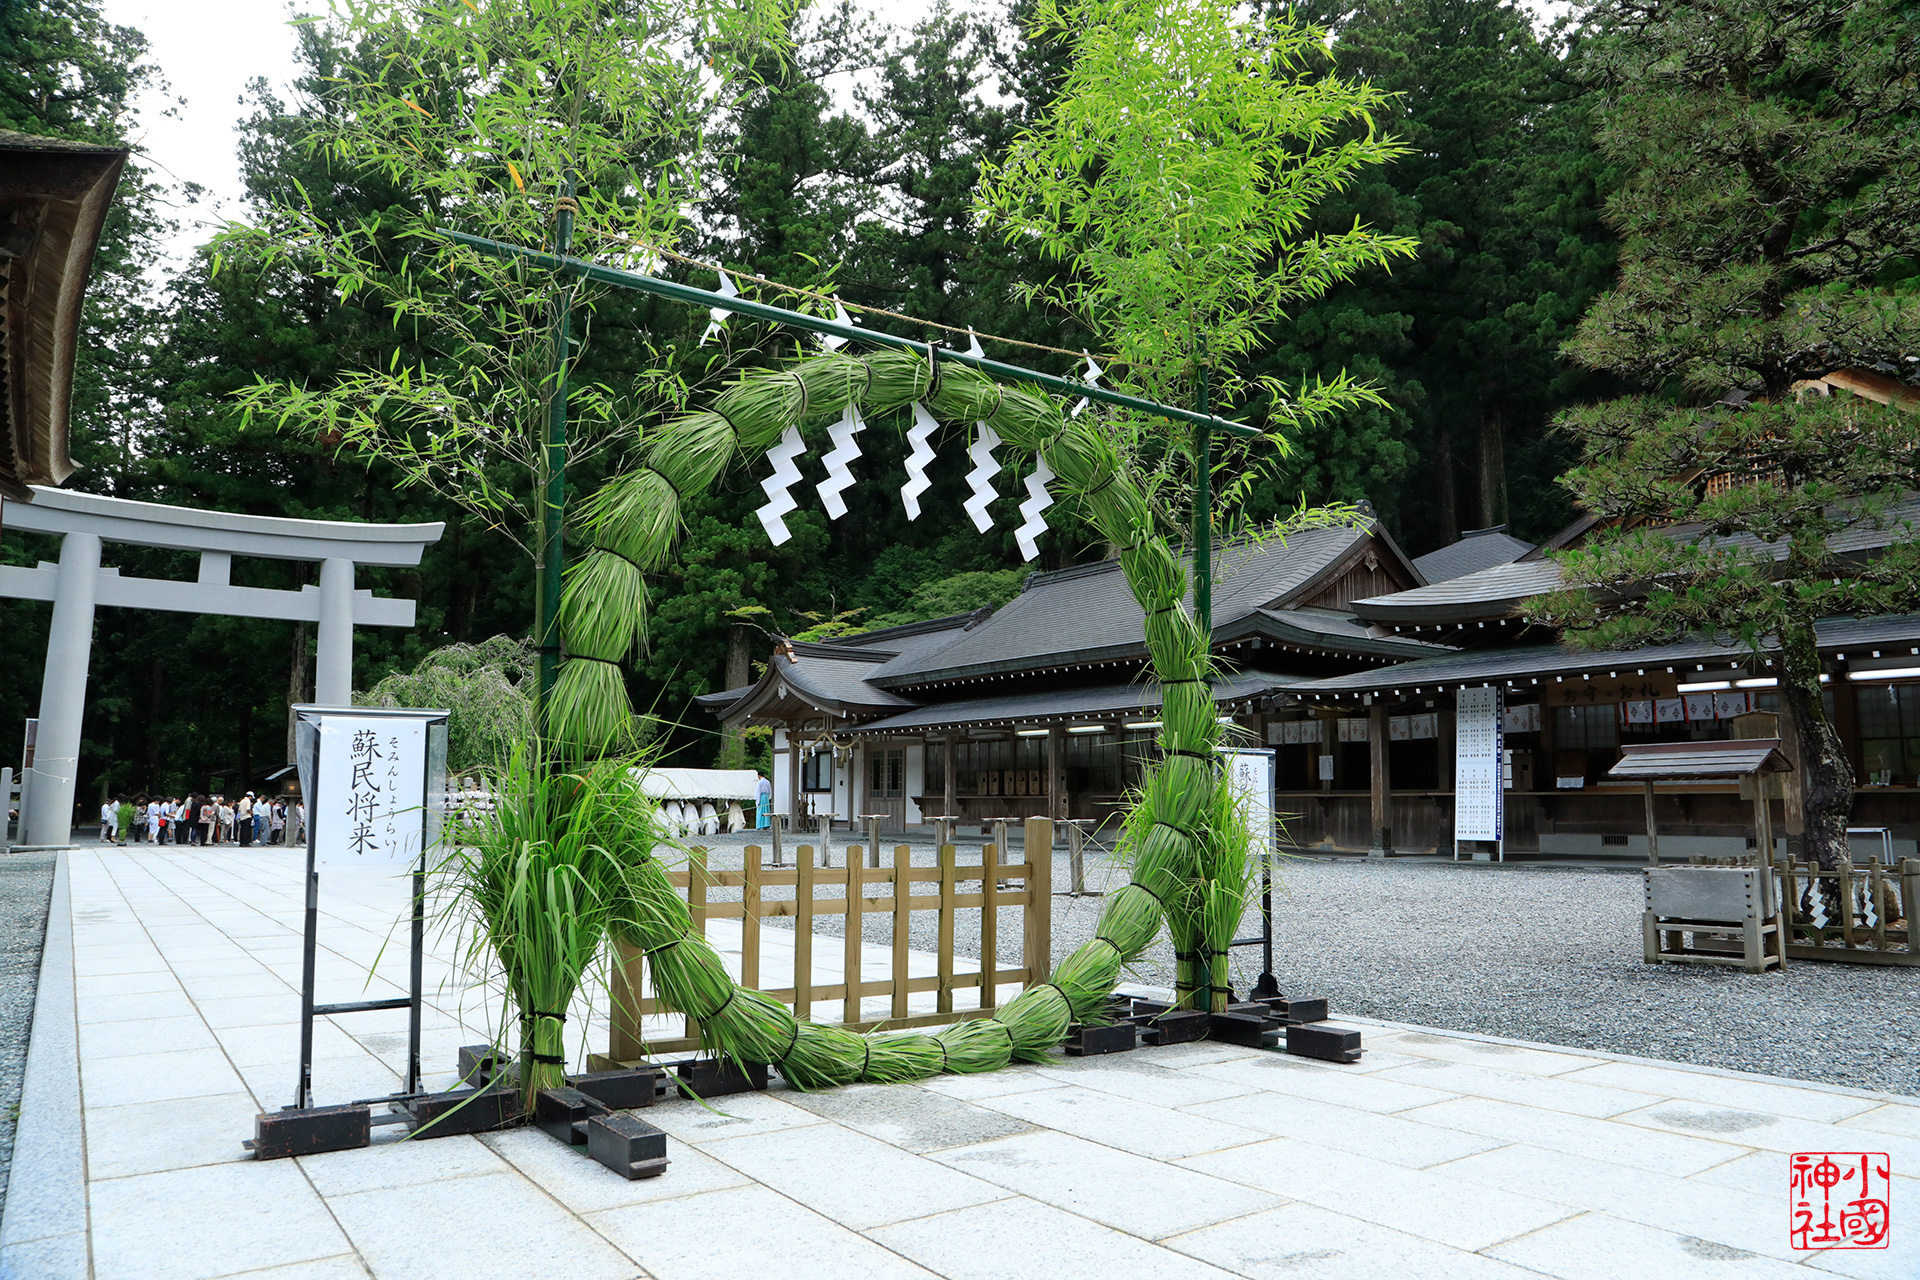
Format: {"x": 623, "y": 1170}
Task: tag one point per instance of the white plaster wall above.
{"x": 916, "y": 780}
{"x": 782, "y": 774}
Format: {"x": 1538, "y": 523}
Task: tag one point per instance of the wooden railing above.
{"x": 950, "y": 887}
{"x": 1868, "y": 902}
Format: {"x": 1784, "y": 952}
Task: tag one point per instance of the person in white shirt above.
{"x": 243, "y": 820}
{"x": 109, "y": 821}
{"x": 153, "y": 821}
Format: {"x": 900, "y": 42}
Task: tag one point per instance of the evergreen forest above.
{"x": 850, "y": 164}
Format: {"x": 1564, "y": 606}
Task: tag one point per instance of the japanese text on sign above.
{"x": 1478, "y": 805}
{"x": 369, "y": 806}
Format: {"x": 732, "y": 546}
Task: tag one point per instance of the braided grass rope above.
{"x": 1180, "y": 837}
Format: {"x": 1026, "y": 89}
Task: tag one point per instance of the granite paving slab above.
{"x": 1439, "y": 1156}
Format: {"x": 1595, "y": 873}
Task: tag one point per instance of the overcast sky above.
{"x": 208, "y": 50}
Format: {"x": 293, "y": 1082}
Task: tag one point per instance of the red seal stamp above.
{"x": 1839, "y": 1200}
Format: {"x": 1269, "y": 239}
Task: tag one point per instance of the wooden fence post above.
{"x": 944, "y": 998}
{"x": 989, "y": 922}
{"x": 902, "y": 887}
{"x": 627, "y": 988}
{"x": 1037, "y": 934}
{"x": 750, "y": 919}
{"x": 850, "y": 963}
{"x": 1910, "y": 900}
{"x": 696, "y": 908}
{"x": 803, "y": 933}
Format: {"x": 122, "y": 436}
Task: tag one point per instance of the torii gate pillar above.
{"x": 63, "y": 692}
{"x": 333, "y": 638}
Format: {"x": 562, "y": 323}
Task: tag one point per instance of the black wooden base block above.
{"x": 622, "y": 1090}
{"x": 293, "y": 1131}
{"x": 1257, "y": 1008}
{"x": 1302, "y": 1011}
{"x": 1178, "y": 1026}
{"x": 1329, "y": 1044}
{"x": 1149, "y": 1008}
{"x": 627, "y": 1145}
{"x": 1085, "y": 1042}
{"x": 442, "y": 1115}
{"x": 716, "y": 1077}
{"x": 1249, "y": 1030}
{"x": 564, "y": 1113}
{"x": 482, "y": 1065}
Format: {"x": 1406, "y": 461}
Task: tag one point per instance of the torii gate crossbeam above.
{"x": 78, "y": 584}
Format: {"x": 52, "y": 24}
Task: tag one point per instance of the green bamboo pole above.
{"x": 706, "y": 298}
{"x": 553, "y": 461}
{"x": 1202, "y": 596}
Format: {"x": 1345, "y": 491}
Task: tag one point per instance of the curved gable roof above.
{"x": 1087, "y": 613}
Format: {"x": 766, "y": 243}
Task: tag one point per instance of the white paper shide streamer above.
{"x": 918, "y": 436}
{"x": 718, "y": 324}
{"x": 1038, "y": 500}
{"x": 832, "y": 341}
{"x": 980, "y": 479}
{"x": 845, "y": 450}
{"x": 1093, "y": 380}
{"x": 985, "y": 466}
{"x": 776, "y": 486}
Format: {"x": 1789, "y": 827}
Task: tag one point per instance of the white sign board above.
{"x": 1250, "y": 774}
{"x": 1478, "y": 803}
{"x": 369, "y": 804}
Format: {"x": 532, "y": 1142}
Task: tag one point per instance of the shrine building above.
{"x": 1347, "y": 658}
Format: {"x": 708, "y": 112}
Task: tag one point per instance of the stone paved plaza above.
{"x": 167, "y": 1018}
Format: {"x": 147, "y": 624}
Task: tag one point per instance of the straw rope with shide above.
{"x": 1184, "y": 839}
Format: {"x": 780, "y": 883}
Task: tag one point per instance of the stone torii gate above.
{"x": 78, "y": 583}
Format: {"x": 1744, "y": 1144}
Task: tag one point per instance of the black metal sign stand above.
{"x": 304, "y": 1128}
{"x": 1268, "y": 986}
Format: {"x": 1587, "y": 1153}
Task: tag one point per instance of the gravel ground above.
{"x": 1535, "y": 952}
{"x": 26, "y": 881}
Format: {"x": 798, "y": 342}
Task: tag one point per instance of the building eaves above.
{"x": 1039, "y": 707}
{"x": 57, "y": 194}
{"x": 1837, "y": 636}
{"x": 1483, "y": 596}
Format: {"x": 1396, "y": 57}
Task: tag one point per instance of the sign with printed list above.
{"x": 369, "y": 809}
{"x": 1479, "y": 807}
{"x": 1251, "y": 775}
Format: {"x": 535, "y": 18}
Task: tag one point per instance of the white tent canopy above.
{"x": 700, "y": 784}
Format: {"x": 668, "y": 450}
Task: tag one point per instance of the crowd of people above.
{"x": 202, "y": 820}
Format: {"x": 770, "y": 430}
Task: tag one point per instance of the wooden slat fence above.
{"x": 948, "y": 887}
{"x": 1874, "y": 903}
